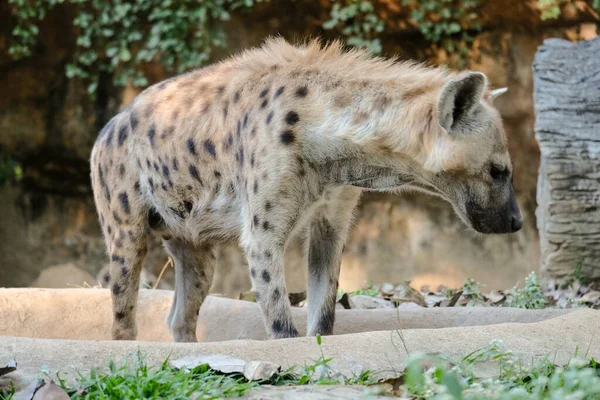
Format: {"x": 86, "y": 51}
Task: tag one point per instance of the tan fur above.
{"x": 277, "y": 140}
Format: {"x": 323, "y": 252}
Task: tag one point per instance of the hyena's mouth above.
{"x": 504, "y": 219}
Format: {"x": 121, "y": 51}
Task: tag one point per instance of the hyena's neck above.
{"x": 369, "y": 136}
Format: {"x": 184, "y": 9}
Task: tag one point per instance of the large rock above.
{"x": 567, "y": 104}
{"x": 383, "y": 352}
{"x": 86, "y": 314}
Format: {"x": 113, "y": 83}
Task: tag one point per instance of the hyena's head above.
{"x": 468, "y": 162}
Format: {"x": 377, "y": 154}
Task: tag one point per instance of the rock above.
{"x": 64, "y": 276}
{"x": 51, "y": 391}
{"x": 362, "y": 302}
{"x": 90, "y": 316}
{"x": 375, "y": 351}
{"x": 566, "y": 81}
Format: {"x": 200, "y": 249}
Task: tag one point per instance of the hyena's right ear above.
{"x": 458, "y": 98}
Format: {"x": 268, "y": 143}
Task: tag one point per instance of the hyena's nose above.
{"x": 516, "y": 222}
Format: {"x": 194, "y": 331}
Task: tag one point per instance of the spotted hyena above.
{"x": 283, "y": 139}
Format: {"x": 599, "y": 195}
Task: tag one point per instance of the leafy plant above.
{"x": 357, "y": 20}
{"x": 10, "y": 170}
{"x": 551, "y": 9}
{"x": 452, "y": 24}
{"x": 118, "y": 37}
{"x": 531, "y": 296}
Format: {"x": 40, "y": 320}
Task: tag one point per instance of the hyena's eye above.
{"x": 499, "y": 173}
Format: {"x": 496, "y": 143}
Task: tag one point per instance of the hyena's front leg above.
{"x": 327, "y": 235}
{"x": 265, "y": 259}
{"x": 194, "y": 267}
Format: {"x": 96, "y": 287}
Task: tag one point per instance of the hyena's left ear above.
{"x": 458, "y": 98}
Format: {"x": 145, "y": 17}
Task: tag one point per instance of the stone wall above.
{"x": 48, "y": 124}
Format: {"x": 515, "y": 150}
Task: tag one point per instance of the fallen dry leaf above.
{"x": 10, "y": 367}
{"x": 253, "y": 370}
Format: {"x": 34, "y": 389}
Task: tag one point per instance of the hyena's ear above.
{"x": 458, "y": 98}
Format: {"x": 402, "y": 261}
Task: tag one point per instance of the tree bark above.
{"x": 567, "y": 108}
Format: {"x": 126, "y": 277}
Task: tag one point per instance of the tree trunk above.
{"x": 567, "y": 107}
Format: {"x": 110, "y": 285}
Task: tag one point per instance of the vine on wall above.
{"x": 118, "y": 36}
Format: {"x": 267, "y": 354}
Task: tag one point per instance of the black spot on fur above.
{"x": 253, "y": 272}
{"x": 168, "y": 132}
{"x": 194, "y": 173}
{"x": 124, "y": 271}
{"x": 109, "y": 229}
{"x": 255, "y": 187}
{"x": 191, "y": 146}
{"x": 122, "y": 135}
{"x": 284, "y": 329}
{"x": 116, "y": 217}
{"x": 268, "y": 206}
{"x": 236, "y": 97}
{"x": 256, "y": 220}
{"x": 238, "y": 131}
{"x": 164, "y": 187}
{"x": 175, "y": 164}
{"x": 301, "y": 91}
{"x": 292, "y": 118}
{"x": 245, "y": 120}
{"x": 155, "y": 164}
{"x": 326, "y": 322}
{"x": 220, "y": 89}
{"x": 109, "y": 136}
{"x": 266, "y": 276}
{"x": 177, "y": 212}
{"x": 116, "y": 289}
{"x": 264, "y": 93}
{"x": 264, "y": 103}
{"x": 252, "y": 160}
{"x": 151, "y": 134}
{"x": 267, "y": 254}
{"x": 133, "y": 121}
{"x": 188, "y": 206}
{"x": 155, "y": 221}
{"x": 217, "y": 174}
{"x": 151, "y": 183}
{"x": 136, "y": 186}
{"x": 266, "y": 225}
{"x": 287, "y": 137}
{"x": 120, "y": 315}
{"x": 229, "y": 140}
{"x": 276, "y": 295}
{"x": 165, "y": 171}
{"x": 241, "y": 156}
{"x": 122, "y": 170}
{"x": 279, "y": 91}
{"x": 209, "y": 146}
{"x": 124, "y": 199}
{"x": 269, "y": 117}
{"x": 117, "y": 259}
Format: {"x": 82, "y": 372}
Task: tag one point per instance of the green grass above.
{"x": 425, "y": 377}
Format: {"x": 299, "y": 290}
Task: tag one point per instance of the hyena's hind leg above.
{"x": 126, "y": 239}
{"x": 194, "y": 267}
{"x": 327, "y": 234}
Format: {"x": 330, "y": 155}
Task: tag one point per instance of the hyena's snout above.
{"x": 505, "y": 218}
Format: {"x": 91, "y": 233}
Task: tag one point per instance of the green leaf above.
{"x": 124, "y": 54}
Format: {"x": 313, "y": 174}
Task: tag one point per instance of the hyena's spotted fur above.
{"x": 276, "y": 140}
